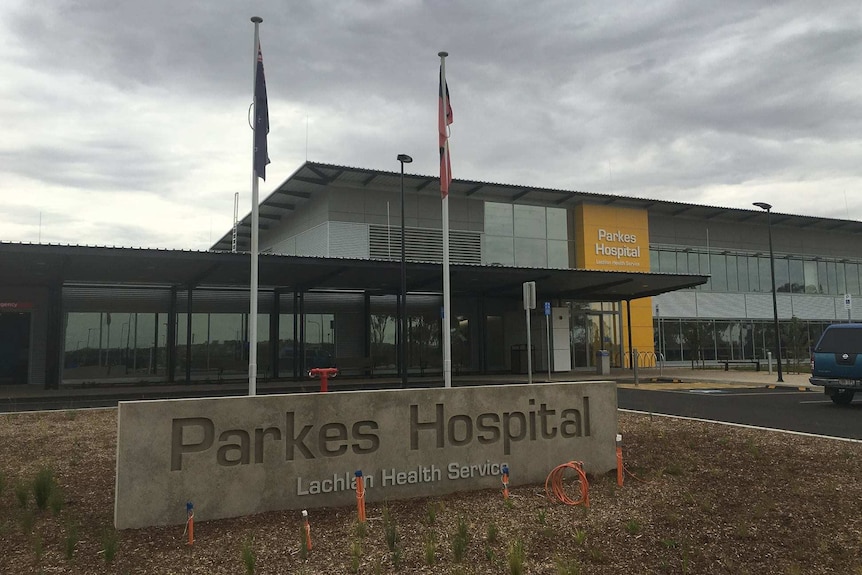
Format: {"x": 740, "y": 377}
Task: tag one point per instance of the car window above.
{"x": 840, "y": 340}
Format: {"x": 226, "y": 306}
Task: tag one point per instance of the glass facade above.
{"x": 525, "y": 236}
{"x": 751, "y": 273}
{"x": 707, "y": 339}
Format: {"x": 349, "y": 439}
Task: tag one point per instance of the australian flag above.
{"x": 261, "y": 119}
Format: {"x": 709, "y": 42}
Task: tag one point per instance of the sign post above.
{"x": 548, "y": 334}
{"x": 848, "y": 305}
{"x": 529, "y": 303}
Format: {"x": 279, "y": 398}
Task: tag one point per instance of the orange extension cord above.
{"x": 555, "y": 489}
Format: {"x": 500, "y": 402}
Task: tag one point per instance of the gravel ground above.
{"x": 698, "y": 498}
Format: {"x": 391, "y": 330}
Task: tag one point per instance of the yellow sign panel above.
{"x": 611, "y": 238}
{"x": 617, "y": 239}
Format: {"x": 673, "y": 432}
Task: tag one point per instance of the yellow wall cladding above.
{"x": 609, "y": 238}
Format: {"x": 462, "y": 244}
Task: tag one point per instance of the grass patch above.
{"x": 460, "y": 540}
{"x": 110, "y": 544}
{"x": 70, "y": 542}
{"x": 516, "y": 557}
{"x": 249, "y": 559}
{"x": 43, "y": 487}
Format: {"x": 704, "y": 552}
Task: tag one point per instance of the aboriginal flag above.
{"x": 261, "y": 119}
{"x": 443, "y": 121}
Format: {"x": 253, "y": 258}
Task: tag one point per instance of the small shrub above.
{"x": 71, "y": 414}
{"x": 361, "y": 529}
{"x": 568, "y": 567}
{"x": 460, "y": 540}
{"x": 669, "y": 543}
{"x": 396, "y": 558}
{"x": 303, "y": 544}
{"x": 595, "y": 554}
{"x": 674, "y": 469}
{"x": 431, "y": 512}
{"x": 71, "y": 541}
{"x": 43, "y": 487}
{"x": 489, "y": 553}
{"x": 580, "y": 536}
{"x": 390, "y": 529}
{"x": 541, "y": 517}
{"x": 516, "y": 557}
{"x": 430, "y": 547}
{"x": 355, "y": 556}
{"x": 248, "y": 557}
{"x": 110, "y": 544}
{"x": 492, "y": 533}
{"x": 633, "y": 527}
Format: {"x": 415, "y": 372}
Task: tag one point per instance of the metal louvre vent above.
{"x": 424, "y": 245}
{"x": 120, "y": 299}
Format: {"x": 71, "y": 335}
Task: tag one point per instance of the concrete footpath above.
{"x": 25, "y": 397}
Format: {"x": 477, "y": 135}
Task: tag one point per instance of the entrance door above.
{"x": 595, "y": 326}
{"x": 14, "y": 347}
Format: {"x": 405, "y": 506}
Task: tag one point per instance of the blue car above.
{"x": 836, "y": 363}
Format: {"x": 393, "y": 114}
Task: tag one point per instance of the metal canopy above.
{"x": 312, "y": 178}
{"x": 55, "y": 265}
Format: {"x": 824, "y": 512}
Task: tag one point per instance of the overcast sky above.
{"x": 125, "y": 122}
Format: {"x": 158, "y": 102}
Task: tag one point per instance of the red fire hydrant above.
{"x": 324, "y": 373}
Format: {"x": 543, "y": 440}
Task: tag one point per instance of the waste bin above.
{"x": 519, "y": 357}
{"x": 603, "y": 362}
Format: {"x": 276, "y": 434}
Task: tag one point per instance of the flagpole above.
{"x": 447, "y": 322}
{"x": 252, "y": 316}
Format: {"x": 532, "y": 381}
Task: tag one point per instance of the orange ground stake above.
{"x": 619, "y": 460}
{"x": 505, "y": 482}
{"x": 307, "y": 530}
{"x": 360, "y": 496}
{"x": 190, "y": 522}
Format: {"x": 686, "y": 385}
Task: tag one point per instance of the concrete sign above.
{"x": 236, "y": 456}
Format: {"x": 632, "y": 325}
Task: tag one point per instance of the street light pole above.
{"x": 402, "y": 341}
{"x": 768, "y": 208}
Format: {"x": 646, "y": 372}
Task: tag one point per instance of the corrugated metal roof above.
{"x": 313, "y": 177}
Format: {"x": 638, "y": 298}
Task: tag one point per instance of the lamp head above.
{"x": 763, "y": 206}
{"x": 404, "y": 158}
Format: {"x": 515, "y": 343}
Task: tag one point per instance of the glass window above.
{"x": 498, "y": 250}
{"x": 842, "y": 283}
{"x": 653, "y": 260}
{"x": 809, "y": 270}
{"x": 742, "y": 270}
{"x": 832, "y": 277}
{"x": 530, "y": 253}
{"x": 705, "y": 269}
{"x": 782, "y": 275}
{"x": 822, "y": 281}
{"x": 498, "y": 219}
{"x": 852, "y": 277}
{"x": 765, "y": 275}
{"x": 682, "y": 263}
{"x": 694, "y": 264}
{"x": 558, "y": 254}
{"x": 732, "y": 282}
{"x": 797, "y": 276}
{"x": 557, "y": 229}
{"x": 753, "y": 273}
{"x": 667, "y": 262}
{"x": 718, "y": 270}
{"x": 530, "y": 222}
